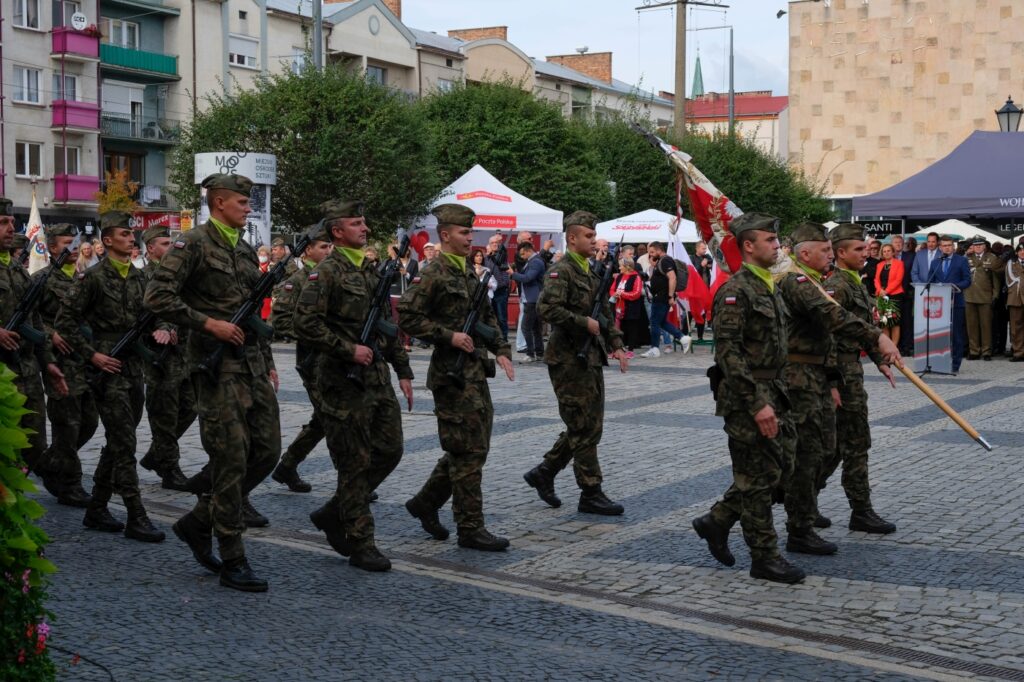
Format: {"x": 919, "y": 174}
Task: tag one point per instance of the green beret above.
{"x": 341, "y": 208}
{"x": 753, "y": 221}
{"x": 229, "y": 181}
{"x": 112, "y": 219}
{"x": 454, "y": 214}
{"x": 846, "y": 231}
{"x": 6, "y": 206}
{"x": 584, "y": 218}
{"x": 809, "y": 232}
{"x": 62, "y": 230}
{"x": 155, "y": 232}
{"x": 20, "y": 241}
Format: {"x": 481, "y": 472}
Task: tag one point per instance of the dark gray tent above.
{"x": 981, "y": 178}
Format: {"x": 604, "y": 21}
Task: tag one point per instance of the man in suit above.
{"x": 907, "y": 303}
{"x": 952, "y": 268}
{"x": 924, "y": 258}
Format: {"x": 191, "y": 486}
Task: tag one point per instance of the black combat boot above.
{"x": 201, "y": 483}
{"x": 822, "y": 521}
{"x": 289, "y": 476}
{"x": 867, "y": 521}
{"x": 149, "y": 463}
{"x": 809, "y": 542}
{"x": 326, "y": 519}
{"x": 97, "y": 516}
{"x": 481, "y": 538}
{"x": 253, "y": 519}
{"x": 238, "y": 575}
{"x": 199, "y": 539}
{"x": 173, "y": 479}
{"x": 373, "y": 497}
{"x": 594, "y": 501}
{"x": 428, "y": 519}
{"x": 74, "y": 496}
{"x": 139, "y": 527}
{"x": 370, "y": 559}
{"x": 716, "y": 537}
{"x": 542, "y": 478}
{"x": 777, "y": 570}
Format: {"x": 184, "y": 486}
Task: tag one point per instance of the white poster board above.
{"x": 260, "y": 168}
{"x": 933, "y": 316}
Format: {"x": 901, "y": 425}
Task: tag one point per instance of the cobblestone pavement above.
{"x": 634, "y": 597}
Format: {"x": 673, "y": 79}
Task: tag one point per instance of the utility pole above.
{"x": 318, "y": 35}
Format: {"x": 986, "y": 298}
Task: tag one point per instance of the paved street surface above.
{"x": 578, "y": 596}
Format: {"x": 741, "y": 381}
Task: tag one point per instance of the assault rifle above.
{"x": 130, "y": 342}
{"x": 610, "y": 268}
{"x": 468, "y": 327}
{"x": 373, "y": 322}
{"x": 247, "y": 315}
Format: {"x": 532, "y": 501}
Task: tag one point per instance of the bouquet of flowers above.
{"x": 887, "y": 312}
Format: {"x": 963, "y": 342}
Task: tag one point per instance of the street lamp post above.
{"x": 1009, "y": 117}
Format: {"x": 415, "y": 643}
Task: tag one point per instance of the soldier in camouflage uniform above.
{"x": 853, "y": 434}
{"x": 285, "y": 298}
{"x": 986, "y": 283}
{"x": 434, "y": 309}
{"x": 566, "y": 303}
{"x": 813, "y": 379}
{"x": 73, "y": 416}
{"x": 361, "y": 417}
{"x": 751, "y": 339}
{"x": 19, "y": 354}
{"x": 170, "y": 396}
{"x": 203, "y": 279}
{"x": 107, "y": 298}
{"x": 18, "y": 245}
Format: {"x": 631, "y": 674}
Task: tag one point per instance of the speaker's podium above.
{"x": 933, "y": 319}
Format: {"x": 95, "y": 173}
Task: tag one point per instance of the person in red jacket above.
{"x": 889, "y": 284}
{"x": 627, "y": 291}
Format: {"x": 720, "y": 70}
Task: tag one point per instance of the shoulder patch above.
{"x": 801, "y": 278}
{"x": 179, "y": 244}
{"x": 553, "y": 275}
{"x": 730, "y": 300}
{"x": 313, "y": 276}
{"x": 289, "y": 286}
{"x": 81, "y": 275}
{"x": 416, "y": 280}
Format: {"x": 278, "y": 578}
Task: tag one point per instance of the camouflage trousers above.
{"x": 240, "y": 429}
{"x": 363, "y": 428}
{"x": 464, "y": 421}
{"x": 311, "y": 433}
{"x": 30, "y": 384}
{"x": 171, "y": 409}
{"x": 120, "y": 409}
{"x": 73, "y": 421}
{"x": 815, "y": 425}
{"x": 580, "y": 394}
{"x": 759, "y": 466}
{"x": 853, "y": 440}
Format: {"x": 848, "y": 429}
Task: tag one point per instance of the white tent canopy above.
{"x": 647, "y": 226}
{"x": 959, "y": 227}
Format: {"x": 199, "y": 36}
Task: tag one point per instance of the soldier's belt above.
{"x": 768, "y": 374}
{"x": 848, "y": 357}
{"x": 805, "y": 359}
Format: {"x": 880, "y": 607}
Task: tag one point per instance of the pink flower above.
{"x": 43, "y": 629}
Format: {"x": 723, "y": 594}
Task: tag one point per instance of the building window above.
{"x": 66, "y": 89}
{"x": 26, "y": 13}
{"x": 27, "y": 159}
{"x": 580, "y": 101}
{"x": 63, "y": 10}
{"x": 377, "y": 74}
{"x": 300, "y": 60}
{"x": 243, "y": 15}
{"x": 26, "y": 85}
{"x": 119, "y": 32}
{"x": 445, "y": 85}
{"x": 242, "y": 51}
{"x": 65, "y": 160}
{"x": 120, "y": 161}
{"x": 448, "y": 63}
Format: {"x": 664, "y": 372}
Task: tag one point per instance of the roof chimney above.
{"x": 597, "y": 65}
{"x": 471, "y": 34}
{"x": 395, "y": 6}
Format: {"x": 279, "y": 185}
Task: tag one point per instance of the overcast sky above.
{"x": 642, "y": 42}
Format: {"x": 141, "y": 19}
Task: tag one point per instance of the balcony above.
{"x": 75, "y": 45}
{"x": 149, "y": 197}
{"x": 77, "y": 116}
{"x": 151, "y": 67}
{"x": 75, "y": 188}
{"x": 153, "y": 131}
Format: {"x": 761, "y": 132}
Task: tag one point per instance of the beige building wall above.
{"x": 435, "y": 74}
{"x": 880, "y": 90}
{"x": 492, "y": 59}
{"x": 389, "y": 48}
{"x": 558, "y": 92}
{"x": 767, "y": 133}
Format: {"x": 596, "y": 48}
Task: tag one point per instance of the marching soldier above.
{"x": 312, "y": 432}
{"x": 206, "y": 275}
{"x": 566, "y": 303}
{"x": 853, "y": 433}
{"x": 170, "y": 396}
{"x": 22, "y": 356}
{"x": 107, "y": 298}
{"x": 434, "y": 309}
{"x": 18, "y": 245}
{"x": 361, "y": 417}
{"x": 73, "y": 415}
{"x": 986, "y": 283}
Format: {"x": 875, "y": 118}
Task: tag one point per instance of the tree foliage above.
{"x": 118, "y": 193}
{"x": 334, "y": 135}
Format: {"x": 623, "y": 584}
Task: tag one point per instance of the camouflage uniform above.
{"x": 433, "y": 309}
{"x": 202, "y": 276}
{"x": 986, "y": 283}
{"x": 566, "y": 301}
{"x": 170, "y": 397}
{"x": 363, "y": 424}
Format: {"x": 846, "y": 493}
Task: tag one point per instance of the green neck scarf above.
{"x": 580, "y": 260}
{"x": 810, "y": 272}
{"x": 5, "y": 257}
{"x": 230, "y": 234}
{"x": 457, "y": 261}
{"x": 762, "y": 274}
{"x": 122, "y": 268}
{"x": 68, "y": 269}
{"x": 355, "y": 256}
{"x": 310, "y": 265}
{"x": 853, "y": 275}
